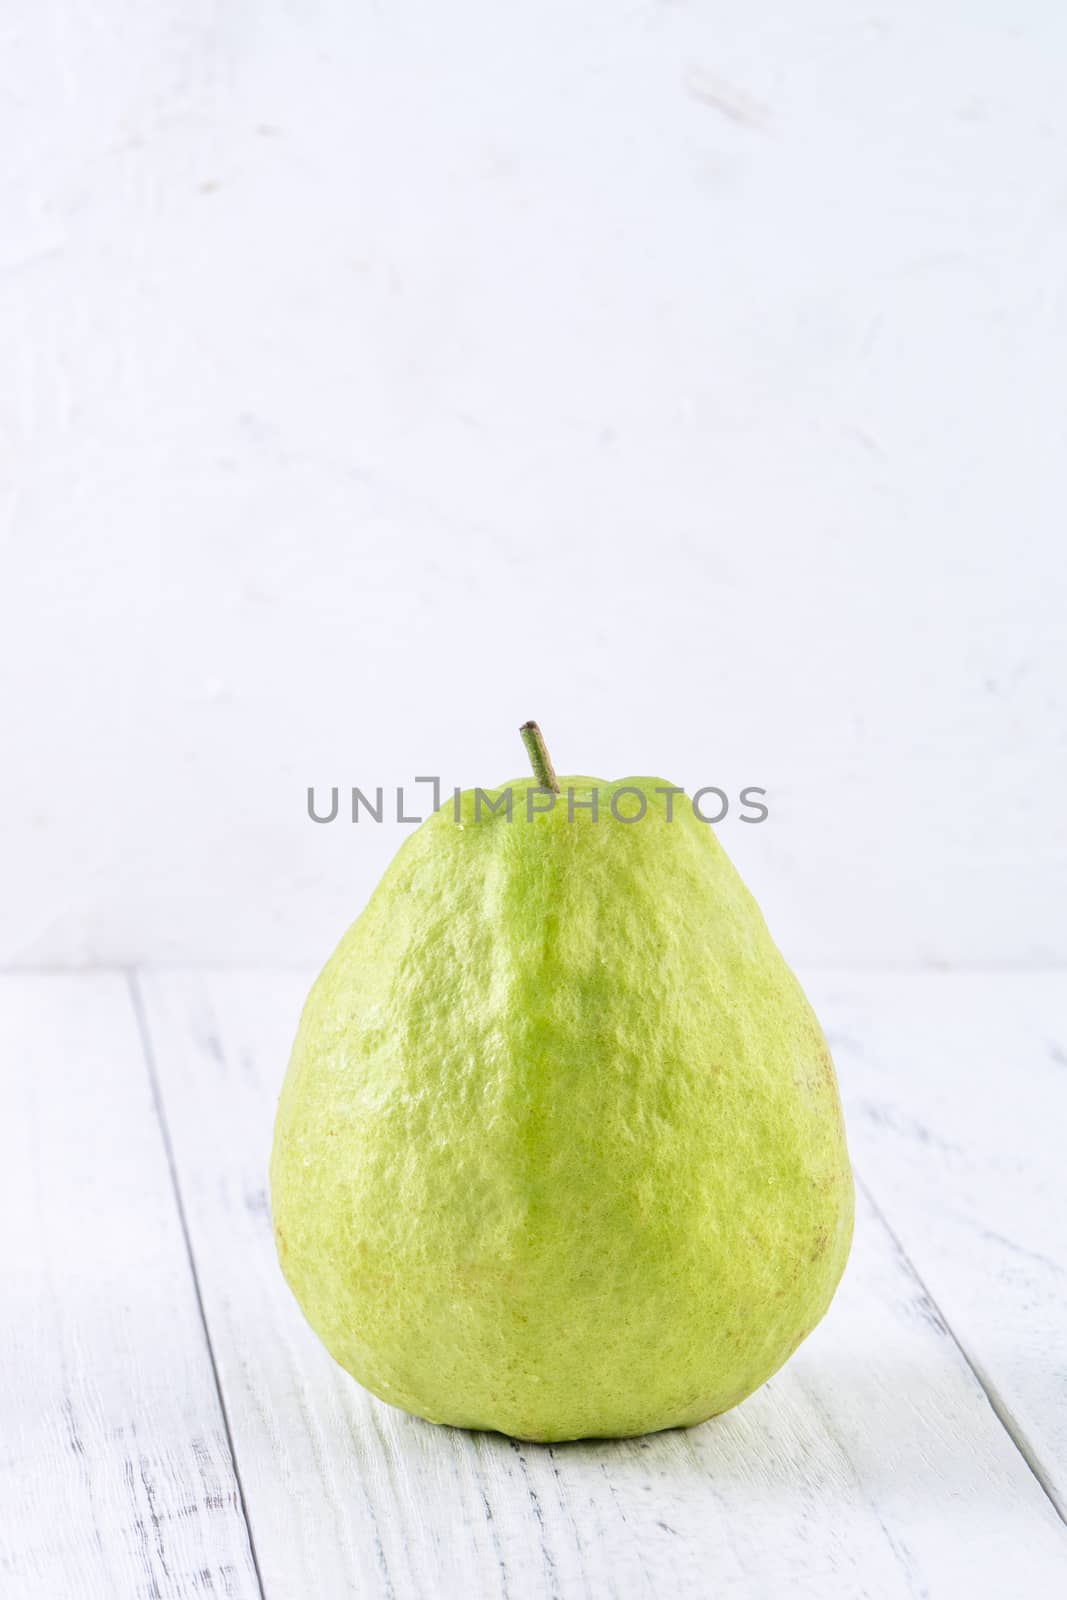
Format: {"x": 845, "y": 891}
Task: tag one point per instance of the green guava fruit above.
{"x": 559, "y": 1151}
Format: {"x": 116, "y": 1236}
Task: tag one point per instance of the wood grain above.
{"x": 956, "y": 1088}
{"x": 116, "y": 1479}
{"x": 872, "y": 1465}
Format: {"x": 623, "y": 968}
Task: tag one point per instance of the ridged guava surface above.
{"x": 560, "y": 1151}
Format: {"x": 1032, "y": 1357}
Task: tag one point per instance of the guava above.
{"x": 560, "y": 1152}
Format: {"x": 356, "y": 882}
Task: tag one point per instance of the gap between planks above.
{"x": 997, "y": 1404}
{"x": 147, "y": 1050}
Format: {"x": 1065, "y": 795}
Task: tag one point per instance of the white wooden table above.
{"x": 170, "y": 1427}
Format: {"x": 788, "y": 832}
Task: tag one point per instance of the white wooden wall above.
{"x": 686, "y": 375}
{"x": 170, "y": 1427}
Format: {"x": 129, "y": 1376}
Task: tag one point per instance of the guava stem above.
{"x": 540, "y": 760}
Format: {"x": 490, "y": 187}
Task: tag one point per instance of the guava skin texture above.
{"x": 560, "y": 1151}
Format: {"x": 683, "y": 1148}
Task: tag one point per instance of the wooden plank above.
{"x": 115, "y": 1473}
{"x": 872, "y": 1465}
{"x": 956, "y": 1092}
